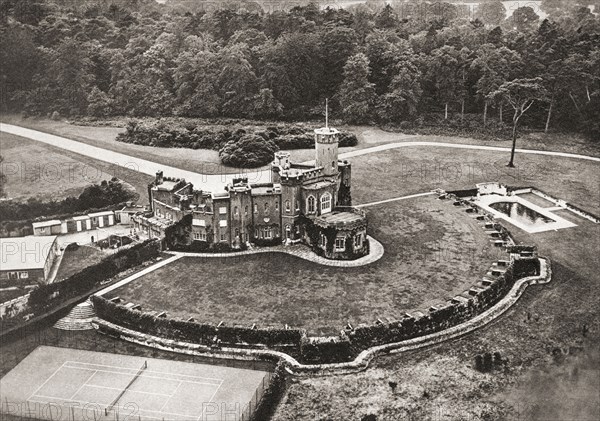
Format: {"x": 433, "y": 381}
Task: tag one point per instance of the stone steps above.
{"x": 79, "y": 318}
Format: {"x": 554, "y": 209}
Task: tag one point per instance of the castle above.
{"x": 302, "y": 203}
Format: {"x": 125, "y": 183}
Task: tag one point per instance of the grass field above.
{"x": 550, "y": 341}
{"x": 74, "y": 261}
{"x": 404, "y": 171}
{"x": 433, "y": 251}
{"x": 34, "y": 169}
{"x": 60, "y": 383}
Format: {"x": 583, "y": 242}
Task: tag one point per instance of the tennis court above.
{"x": 68, "y": 384}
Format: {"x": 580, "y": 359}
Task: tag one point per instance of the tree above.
{"x": 357, "y": 94}
{"x": 494, "y": 65}
{"x": 337, "y": 45}
{"x": 405, "y": 91}
{"x": 491, "y": 13}
{"x": 524, "y": 19}
{"x": 443, "y": 71}
{"x": 520, "y": 94}
{"x": 265, "y": 105}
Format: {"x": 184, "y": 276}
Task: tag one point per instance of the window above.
{"x": 266, "y": 207}
{"x": 326, "y": 203}
{"x": 310, "y": 204}
{"x": 245, "y": 236}
{"x": 267, "y": 233}
{"x": 287, "y": 206}
{"x": 237, "y": 232}
{"x": 246, "y": 210}
{"x": 199, "y": 222}
{"x": 196, "y": 236}
{"x": 235, "y": 211}
{"x": 223, "y": 237}
{"x": 256, "y": 233}
{"x": 358, "y": 241}
{"x": 223, "y": 210}
{"x": 340, "y": 244}
{"x": 13, "y": 275}
{"x": 23, "y": 275}
{"x": 323, "y": 240}
{"x": 276, "y": 206}
{"x": 202, "y": 236}
{"x": 255, "y": 208}
{"x": 222, "y": 223}
{"x": 332, "y": 164}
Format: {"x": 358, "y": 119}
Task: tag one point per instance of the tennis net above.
{"x": 114, "y": 402}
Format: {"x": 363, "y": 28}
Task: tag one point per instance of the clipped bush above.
{"x": 250, "y": 151}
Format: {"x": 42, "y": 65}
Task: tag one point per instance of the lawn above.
{"x": 405, "y": 171}
{"x": 433, "y": 251}
{"x": 34, "y": 169}
{"x": 75, "y": 261}
{"x": 549, "y": 340}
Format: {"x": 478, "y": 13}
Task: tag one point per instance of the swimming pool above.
{"x": 521, "y": 214}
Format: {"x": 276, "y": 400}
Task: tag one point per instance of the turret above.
{"x": 282, "y": 159}
{"x": 326, "y": 150}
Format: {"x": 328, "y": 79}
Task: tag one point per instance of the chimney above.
{"x": 159, "y": 178}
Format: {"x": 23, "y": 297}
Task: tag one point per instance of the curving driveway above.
{"x": 216, "y": 182}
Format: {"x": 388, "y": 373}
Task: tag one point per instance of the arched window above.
{"x": 326, "y": 203}
{"x": 235, "y": 211}
{"x": 310, "y": 204}
{"x": 287, "y": 205}
{"x": 332, "y": 164}
{"x": 266, "y": 207}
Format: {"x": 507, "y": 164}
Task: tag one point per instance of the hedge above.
{"x": 334, "y": 351}
{"x": 191, "y": 331}
{"x": 223, "y": 138}
{"x": 47, "y": 295}
{"x": 364, "y": 337}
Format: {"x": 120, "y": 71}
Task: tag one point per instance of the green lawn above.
{"x": 34, "y": 169}
{"x": 433, "y": 251}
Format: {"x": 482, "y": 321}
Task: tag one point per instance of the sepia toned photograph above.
{"x": 299, "y": 210}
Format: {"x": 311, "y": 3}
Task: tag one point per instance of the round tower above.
{"x": 326, "y": 150}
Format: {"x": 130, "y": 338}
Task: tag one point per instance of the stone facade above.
{"x": 303, "y": 203}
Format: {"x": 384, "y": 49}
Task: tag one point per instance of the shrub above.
{"x": 250, "y": 151}
{"x": 334, "y": 351}
{"x": 191, "y": 331}
{"x": 47, "y": 295}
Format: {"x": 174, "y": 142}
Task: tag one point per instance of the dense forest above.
{"x": 376, "y": 63}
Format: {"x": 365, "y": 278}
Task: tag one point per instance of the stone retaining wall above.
{"x": 359, "y": 363}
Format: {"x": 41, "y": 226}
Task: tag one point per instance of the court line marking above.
{"x": 83, "y": 385}
{"x": 128, "y": 390}
{"x": 144, "y": 376}
{"x": 172, "y": 394}
{"x": 146, "y": 371}
{"x": 211, "y": 399}
{"x": 47, "y": 380}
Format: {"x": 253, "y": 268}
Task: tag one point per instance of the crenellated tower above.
{"x": 326, "y": 147}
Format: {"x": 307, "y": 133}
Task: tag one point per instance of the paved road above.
{"x": 216, "y": 182}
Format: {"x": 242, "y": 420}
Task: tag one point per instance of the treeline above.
{"x": 95, "y": 196}
{"x": 384, "y": 64}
